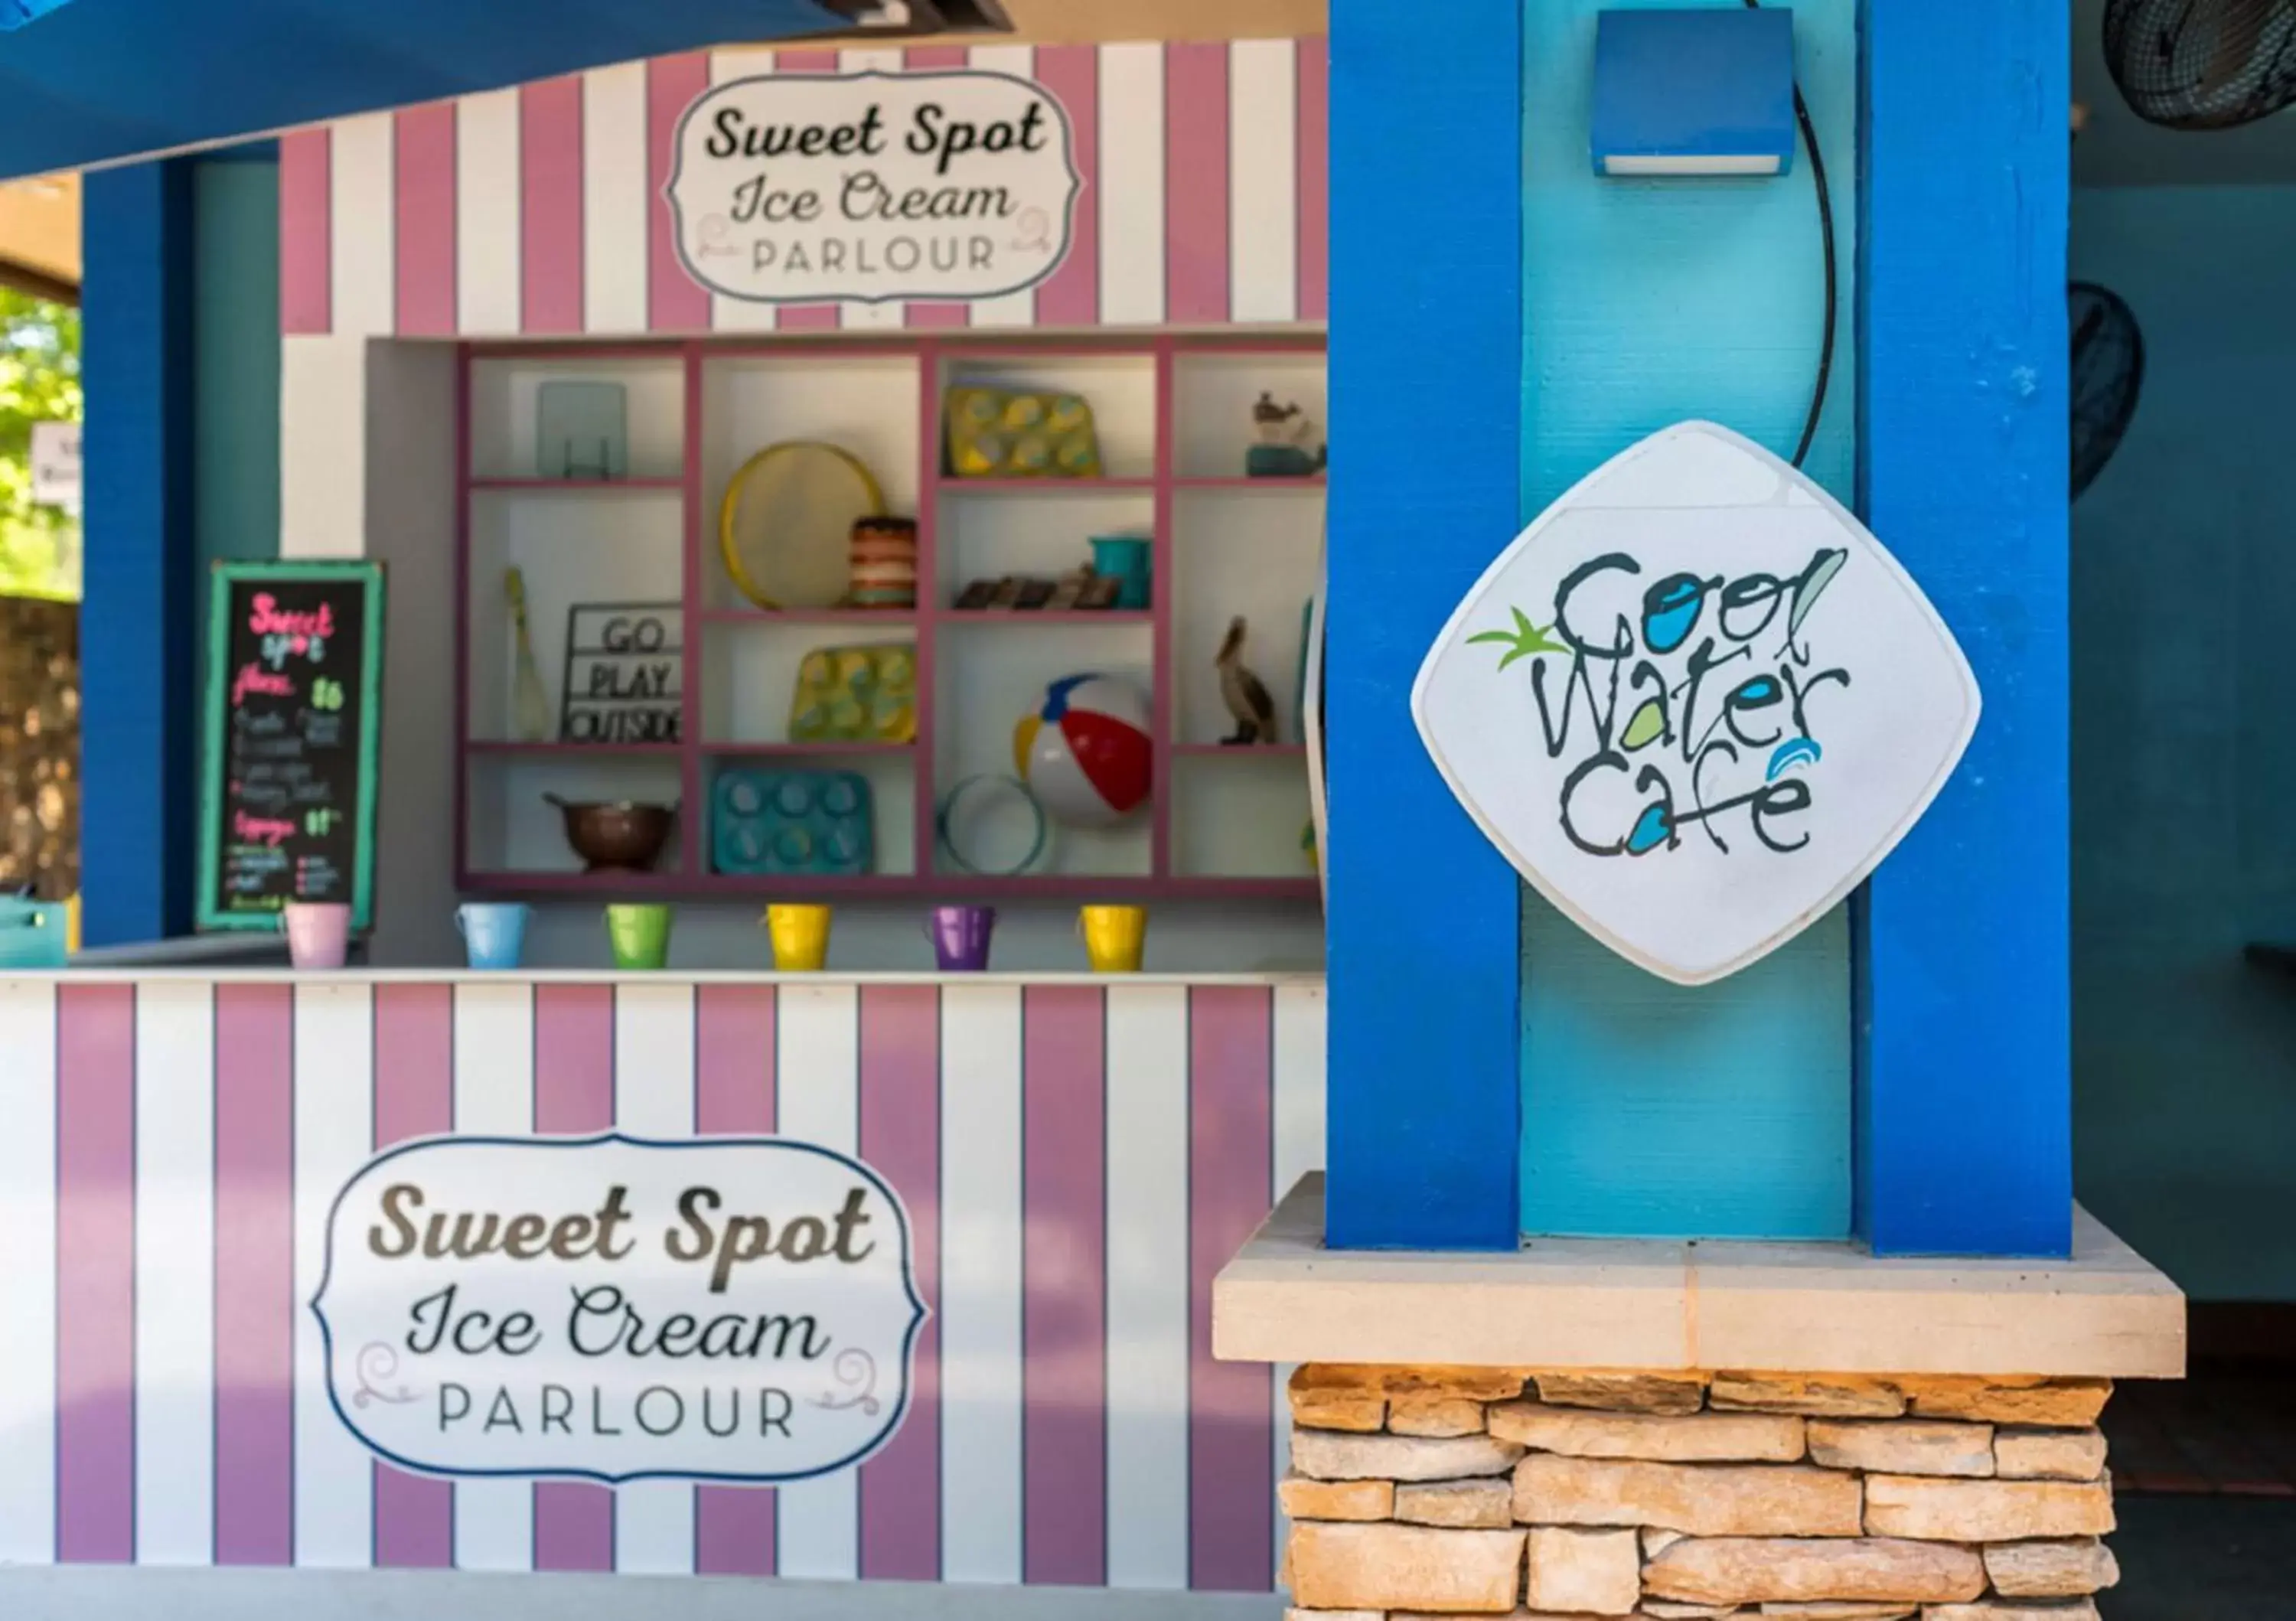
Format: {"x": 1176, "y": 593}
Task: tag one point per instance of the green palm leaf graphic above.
{"x": 1525, "y": 641}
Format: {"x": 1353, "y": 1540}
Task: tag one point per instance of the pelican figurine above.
{"x": 1244, "y": 692}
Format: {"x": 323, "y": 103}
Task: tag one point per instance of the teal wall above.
{"x": 1650, "y": 1109}
{"x": 235, "y": 367}
{"x": 235, "y": 350}
{"x": 2183, "y": 747}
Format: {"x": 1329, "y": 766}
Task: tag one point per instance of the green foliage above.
{"x": 39, "y": 381}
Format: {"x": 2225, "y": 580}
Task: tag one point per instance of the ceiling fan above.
{"x": 896, "y": 19}
{"x": 2202, "y": 64}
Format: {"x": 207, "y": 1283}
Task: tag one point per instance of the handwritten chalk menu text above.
{"x": 289, "y": 781}
{"x": 625, "y": 673}
{"x": 805, "y": 187}
{"x": 616, "y": 1309}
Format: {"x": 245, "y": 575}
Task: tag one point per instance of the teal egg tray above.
{"x": 816, "y": 823}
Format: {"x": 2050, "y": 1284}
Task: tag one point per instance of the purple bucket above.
{"x": 960, "y": 937}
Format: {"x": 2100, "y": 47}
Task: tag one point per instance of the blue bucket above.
{"x": 32, "y": 933}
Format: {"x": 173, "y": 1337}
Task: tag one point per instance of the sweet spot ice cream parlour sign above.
{"x": 798, "y": 188}
{"x": 1695, "y": 703}
{"x": 613, "y": 1309}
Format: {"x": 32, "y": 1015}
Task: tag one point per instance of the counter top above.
{"x": 1617, "y": 1303}
{"x": 608, "y": 976}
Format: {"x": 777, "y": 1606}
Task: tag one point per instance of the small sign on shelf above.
{"x": 625, "y": 673}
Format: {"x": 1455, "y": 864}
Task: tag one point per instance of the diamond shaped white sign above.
{"x": 1695, "y": 703}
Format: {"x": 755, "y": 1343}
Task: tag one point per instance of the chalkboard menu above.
{"x": 293, "y": 723}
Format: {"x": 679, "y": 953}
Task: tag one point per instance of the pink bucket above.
{"x": 318, "y": 933}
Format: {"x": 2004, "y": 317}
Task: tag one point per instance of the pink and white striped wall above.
{"x": 538, "y": 210}
{"x": 1080, "y": 1161}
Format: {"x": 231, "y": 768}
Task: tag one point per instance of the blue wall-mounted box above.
{"x": 16, "y": 13}
{"x": 1684, "y": 92}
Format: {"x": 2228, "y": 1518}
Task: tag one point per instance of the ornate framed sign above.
{"x": 1695, "y": 703}
{"x": 802, "y": 188}
{"x": 609, "y": 1308}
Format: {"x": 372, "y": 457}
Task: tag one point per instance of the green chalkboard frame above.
{"x": 214, "y": 718}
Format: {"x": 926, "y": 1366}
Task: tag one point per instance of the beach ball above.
{"x": 1086, "y": 753}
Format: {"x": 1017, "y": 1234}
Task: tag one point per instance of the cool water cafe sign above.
{"x": 606, "y": 1308}
{"x": 807, "y": 187}
{"x": 1696, "y": 703}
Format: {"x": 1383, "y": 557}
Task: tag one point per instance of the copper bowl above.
{"x": 617, "y": 834}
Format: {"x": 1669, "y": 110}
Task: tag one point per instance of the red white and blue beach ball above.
{"x": 1086, "y": 752}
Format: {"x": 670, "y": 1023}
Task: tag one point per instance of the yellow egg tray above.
{"x": 855, "y": 694}
{"x": 997, "y": 433}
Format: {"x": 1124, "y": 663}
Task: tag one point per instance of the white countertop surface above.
{"x": 608, "y": 976}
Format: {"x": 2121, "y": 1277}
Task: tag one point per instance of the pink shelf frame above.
{"x": 1050, "y": 489}
{"x": 489, "y": 745}
{"x": 1162, "y": 573}
{"x": 1314, "y": 482}
{"x": 1023, "y": 617}
{"x": 590, "y": 486}
{"x": 932, "y": 361}
{"x": 799, "y": 750}
{"x": 1114, "y": 888}
{"x": 855, "y": 617}
{"x": 932, "y": 355}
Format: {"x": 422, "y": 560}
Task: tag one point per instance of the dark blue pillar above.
{"x": 1426, "y": 314}
{"x": 139, "y": 606}
{"x": 1964, "y": 1117}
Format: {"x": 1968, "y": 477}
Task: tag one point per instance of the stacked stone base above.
{"x": 1418, "y": 1493}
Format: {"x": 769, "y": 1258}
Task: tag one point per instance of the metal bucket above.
{"x": 33, "y": 934}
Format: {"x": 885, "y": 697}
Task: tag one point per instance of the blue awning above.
{"x": 96, "y": 81}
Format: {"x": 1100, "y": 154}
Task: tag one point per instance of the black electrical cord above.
{"x": 1833, "y": 269}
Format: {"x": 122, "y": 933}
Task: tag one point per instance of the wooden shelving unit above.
{"x": 1173, "y": 414}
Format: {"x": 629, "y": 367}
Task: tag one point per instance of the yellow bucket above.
{"x": 800, "y": 936}
{"x": 1113, "y": 937}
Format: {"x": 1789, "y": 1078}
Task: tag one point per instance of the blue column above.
{"x": 1426, "y": 314}
{"x": 1964, "y": 1115}
{"x": 138, "y": 608}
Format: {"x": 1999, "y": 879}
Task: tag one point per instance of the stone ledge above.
{"x": 1599, "y": 1304}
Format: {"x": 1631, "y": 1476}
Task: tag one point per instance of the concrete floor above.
{"x": 2204, "y": 1558}
{"x": 2182, "y": 1558}
{"x": 90, "y": 1593}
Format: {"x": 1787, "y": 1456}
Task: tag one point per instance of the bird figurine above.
{"x": 1275, "y": 425}
{"x": 1244, "y": 692}
{"x": 1282, "y": 436}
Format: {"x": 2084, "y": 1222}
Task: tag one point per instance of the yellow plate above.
{"x": 806, "y": 492}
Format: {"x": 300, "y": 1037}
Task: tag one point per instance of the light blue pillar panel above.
{"x": 138, "y": 608}
{"x": 1654, "y": 1109}
{"x": 1964, "y": 1128}
{"x": 1426, "y": 312}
